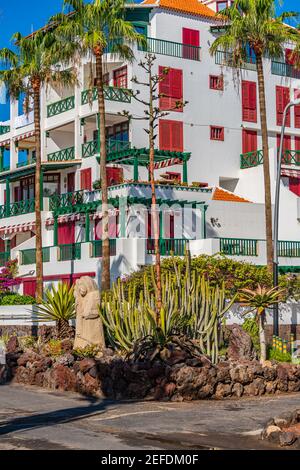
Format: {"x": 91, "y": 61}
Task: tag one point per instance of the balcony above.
{"x": 168, "y": 247}
{"x": 284, "y": 70}
{"x": 61, "y": 201}
{"x": 170, "y": 48}
{"x": 69, "y": 252}
{"x": 238, "y": 247}
{"x": 4, "y": 130}
{"x": 97, "y": 248}
{"x": 17, "y": 208}
{"x": 28, "y": 257}
{"x": 60, "y": 107}
{"x": 289, "y": 249}
{"x": 226, "y": 59}
{"x": 251, "y": 159}
{"x": 111, "y": 93}
{"x": 291, "y": 157}
{"x": 28, "y": 162}
{"x": 89, "y": 149}
{"x": 65, "y": 155}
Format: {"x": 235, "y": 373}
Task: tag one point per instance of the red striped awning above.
{"x": 64, "y": 219}
{"x": 4, "y": 143}
{"x": 167, "y": 163}
{"x": 25, "y": 136}
{"x": 14, "y": 229}
{"x": 290, "y": 173}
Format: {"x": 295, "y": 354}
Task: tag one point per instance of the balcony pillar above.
{"x": 42, "y": 190}
{"x": 136, "y": 169}
{"x": 185, "y": 171}
{"x": 7, "y": 203}
{"x": 123, "y": 207}
{"x": 87, "y": 227}
{"x": 55, "y": 236}
{"x": 1, "y": 158}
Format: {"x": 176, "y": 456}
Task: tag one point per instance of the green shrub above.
{"x": 87, "y": 352}
{"x": 27, "y": 342}
{"x": 275, "y": 355}
{"x": 16, "y": 299}
{"x": 54, "y": 348}
{"x": 250, "y": 325}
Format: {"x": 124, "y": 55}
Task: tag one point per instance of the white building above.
{"x": 212, "y": 145}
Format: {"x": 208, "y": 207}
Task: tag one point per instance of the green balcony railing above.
{"x": 4, "y": 258}
{"x": 28, "y": 162}
{"x": 70, "y": 252}
{"x": 251, "y": 159}
{"x": 65, "y": 155}
{"x": 291, "y": 157}
{"x": 61, "y": 106}
{"x": 226, "y": 59}
{"x": 89, "y": 149}
{"x": 110, "y": 93}
{"x": 238, "y": 247}
{"x": 4, "y": 168}
{"x": 170, "y": 48}
{"x": 284, "y": 70}
{"x": 29, "y": 256}
{"x": 58, "y": 201}
{"x": 177, "y": 247}
{"x": 22, "y": 207}
{"x": 289, "y": 249}
{"x": 97, "y": 248}
{"x": 4, "y": 130}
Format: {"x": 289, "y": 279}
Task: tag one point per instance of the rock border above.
{"x": 284, "y": 430}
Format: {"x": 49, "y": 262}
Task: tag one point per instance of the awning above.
{"x": 167, "y": 163}
{"x": 99, "y": 215}
{"x": 25, "y": 136}
{"x": 64, "y": 219}
{"x": 14, "y": 229}
{"x": 290, "y": 173}
{"x": 4, "y": 143}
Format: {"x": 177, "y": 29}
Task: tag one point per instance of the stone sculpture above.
{"x": 89, "y": 327}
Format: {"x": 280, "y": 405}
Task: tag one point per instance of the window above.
{"x": 290, "y": 57}
{"x": 51, "y": 184}
{"x": 120, "y": 77}
{"x": 216, "y": 133}
{"x": 216, "y": 82}
{"x": 249, "y": 141}
{"x": 191, "y": 37}
{"x": 171, "y": 135}
{"x": 171, "y": 89}
{"x": 86, "y": 179}
{"x": 294, "y": 185}
{"x": 286, "y": 142}
{"x": 118, "y": 132}
{"x": 297, "y": 145}
{"x": 221, "y": 5}
{"x": 282, "y": 99}
{"x": 249, "y": 105}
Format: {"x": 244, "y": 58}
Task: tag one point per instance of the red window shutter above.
{"x": 249, "y": 141}
{"x": 190, "y": 37}
{"x": 297, "y": 144}
{"x": 249, "y": 101}
{"x": 282, "y": 99}
{"x": 29, "y": 288}
{"x": 290, "y": 58}
{"x": 286, "y": 142}
{"x": 66, "y": 233}
{"x": 177, "y": 136}
{"x": 164, "y": 135}
{"x": 164, "y": 89}
{"x": 297, "y": 110}
{"x": 172, "y": 89}
{"x": 86, "y": 179}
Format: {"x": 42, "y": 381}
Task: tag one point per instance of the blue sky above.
{"x": 32, "y": 14}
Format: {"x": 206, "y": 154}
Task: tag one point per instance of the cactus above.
{"x": 191, "y": 307}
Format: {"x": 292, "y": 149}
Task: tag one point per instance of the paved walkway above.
{"x": 31, "y": 418}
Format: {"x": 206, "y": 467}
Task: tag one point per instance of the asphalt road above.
{"x": 35, "y": 419}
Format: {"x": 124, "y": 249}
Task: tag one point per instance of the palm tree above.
{"x": 254, "y": 24}
{"x": 92, "y": 28}
{"x": 259, "y": 300}
{"x": 27, "y": 70}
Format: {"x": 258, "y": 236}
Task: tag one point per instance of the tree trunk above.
{"x": 105, "y": 282}
{"x": 38, "y": 194}
{"x": 266, "y": 164}
{"x": 155, "y": 213}
{"x": 262, "y": 338}
{"x": 64, "y": 330}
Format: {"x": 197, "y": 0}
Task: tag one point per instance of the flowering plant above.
{"x": 8, "y": 276}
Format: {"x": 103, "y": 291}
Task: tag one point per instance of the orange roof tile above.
{"x": 193, "y": 7}
{"x": 221, "y": 194}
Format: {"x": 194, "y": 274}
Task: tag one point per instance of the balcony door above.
{"x": 66, "y": 233}
{"x": 27, "y": 189}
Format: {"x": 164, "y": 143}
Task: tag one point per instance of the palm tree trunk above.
{"x": 266, "y": 164}
{"x": 156, "y": 225}
{"x": 38, "y": 218}
{"x": 262, "y": 338}
{"x": 105, "y": 282}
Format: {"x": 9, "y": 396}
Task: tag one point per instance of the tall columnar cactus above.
{"x": 190, "y": 306}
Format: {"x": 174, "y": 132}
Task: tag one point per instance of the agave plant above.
{"x": 258, "y": 301}
{"x": 59, "y": 306}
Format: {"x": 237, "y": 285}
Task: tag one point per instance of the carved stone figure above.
{"x": 89, "y": 327}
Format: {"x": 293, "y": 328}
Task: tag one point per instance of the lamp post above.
{"x": 276, "y": 213}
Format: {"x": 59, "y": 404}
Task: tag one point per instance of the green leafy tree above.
{"x": 254, "y": 24}
{"x": 92, "y": 28}
{"x": 258, "y": 301}
{"x": 27, "y": 68}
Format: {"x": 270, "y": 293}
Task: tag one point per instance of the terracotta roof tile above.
{"x": 221, "y": 194}
{"x": 194, "y": 7}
